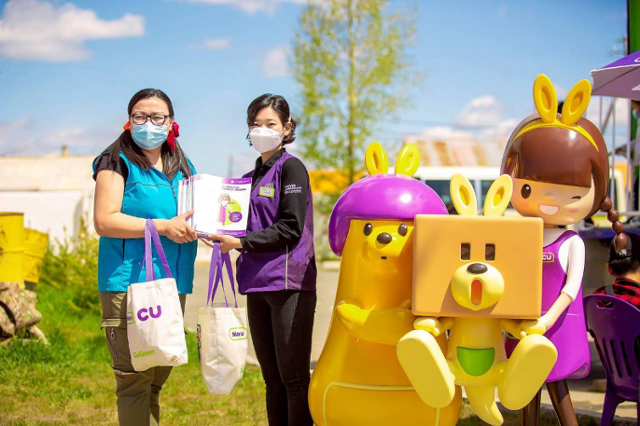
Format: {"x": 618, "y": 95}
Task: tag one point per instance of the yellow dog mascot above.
{"x": 358, "y": 379}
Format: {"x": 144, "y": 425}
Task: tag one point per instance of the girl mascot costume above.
{"x": 561, "y": 174}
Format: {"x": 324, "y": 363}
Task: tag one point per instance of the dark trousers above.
{"x": 281, "y": 324}
{"x": 138, "y": 392}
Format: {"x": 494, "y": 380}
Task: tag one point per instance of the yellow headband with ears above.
{"x": 546, "y": 101}
{"x": 377, "y": 162}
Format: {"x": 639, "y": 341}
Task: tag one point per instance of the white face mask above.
{"x": 264, "y": 139}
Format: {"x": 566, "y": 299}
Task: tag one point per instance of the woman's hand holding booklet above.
{"x": 220, "y": 205}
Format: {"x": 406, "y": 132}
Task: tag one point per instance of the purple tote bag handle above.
{"x": 220, "y": 261}
{"x": 151, "y": 233}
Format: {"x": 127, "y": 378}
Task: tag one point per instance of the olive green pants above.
{"x": 138, "y": 392}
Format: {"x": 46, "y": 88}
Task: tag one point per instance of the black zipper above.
{"x": 112, "y": 335}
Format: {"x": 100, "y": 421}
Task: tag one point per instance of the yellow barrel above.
{"x": 12, "y": 247}
{"x": 35, "y": 246}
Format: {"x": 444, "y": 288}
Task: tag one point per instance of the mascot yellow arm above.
{"x": 435, "y": 326}
{"x": 386, "y": 327}
{"x": 513, "y": 327}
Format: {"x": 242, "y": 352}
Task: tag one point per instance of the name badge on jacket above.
{"x": 266, "y": 191}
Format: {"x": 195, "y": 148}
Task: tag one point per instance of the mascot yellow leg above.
{"x": 526, "y": 371}
{"x": 427, "y": 368}
{"x": 483, "y": 401}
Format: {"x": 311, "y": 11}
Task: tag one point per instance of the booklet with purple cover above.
{"x": 220, "y": 205}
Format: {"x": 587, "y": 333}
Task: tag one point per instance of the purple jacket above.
{"x": 290, "y": 268}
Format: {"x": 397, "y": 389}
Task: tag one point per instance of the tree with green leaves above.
{"x": 352, "y": 63}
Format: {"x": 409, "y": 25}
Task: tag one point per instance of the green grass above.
{"x": 70, "y": 380}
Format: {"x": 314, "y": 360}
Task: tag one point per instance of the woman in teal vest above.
{"x": 137, "y": 178}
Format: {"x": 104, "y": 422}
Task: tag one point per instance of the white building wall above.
{"x": 53, "y": 192}
{"x": 57, "y": 213}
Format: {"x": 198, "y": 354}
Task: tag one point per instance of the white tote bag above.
{"x": 155, "y": 326}
{"x": 222, "y": 333}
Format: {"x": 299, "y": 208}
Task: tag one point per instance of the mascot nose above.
{"x": 384, "y": 238}
{"x": 477, "y": 268}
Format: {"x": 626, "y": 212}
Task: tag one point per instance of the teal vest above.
{"x": 147, "y": 194}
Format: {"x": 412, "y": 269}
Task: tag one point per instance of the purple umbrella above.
{"x": 620, "y": 79}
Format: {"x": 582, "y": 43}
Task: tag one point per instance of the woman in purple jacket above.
{"x": 276, "y": 268}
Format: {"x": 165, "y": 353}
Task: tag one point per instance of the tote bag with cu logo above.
{"x": 222, "y": 332}
{"x": 155, "y": 326}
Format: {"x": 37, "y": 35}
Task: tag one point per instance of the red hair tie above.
{"x": 127, "y": 126}
{"x": 173, "y": 134}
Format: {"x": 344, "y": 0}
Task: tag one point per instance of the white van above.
{"x": 482, "y": 177}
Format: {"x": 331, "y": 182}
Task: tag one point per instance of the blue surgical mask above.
{"x": 148, "y": 135}
{"x": 635, "y": 114}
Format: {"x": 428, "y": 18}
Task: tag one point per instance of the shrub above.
{"x": 73, "y": 263}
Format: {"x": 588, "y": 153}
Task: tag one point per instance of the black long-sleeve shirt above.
{"x": 293, "y": 206}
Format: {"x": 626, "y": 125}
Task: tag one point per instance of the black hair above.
{"x": 280, "y": 106}
{"x": 172, "y": 161}
{"x": 621, "y": 267}
{"x": 625, "y": 260}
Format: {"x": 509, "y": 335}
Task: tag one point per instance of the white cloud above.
{"x": 475, "y": 138}
{"x": 19, "y": 137}
{"x": 502, "y": 128}
{"x": 622, "y": 112}
{"x": 74, "y": 138}
{"x": 250, "y": 6}
{"x": 213, "y": 44}
{"x": 502, "y": 12}
{"x": 561, "y": 92}
{"x": 480, "y": 118}
{"x": 40, "y": 30}
{"x": 276, "y": 62}
{"x": 15, "y": 135}
{"x": 481, "y": 111}
{"x": 445, "y": 133}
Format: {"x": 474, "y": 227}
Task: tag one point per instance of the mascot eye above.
{"x": 490, "y": 252}
{"x": 465, "y": 251}
{"x": 402, "y": 229}
{"x": 526, "y": 191}
{"x": 368, "y": 229}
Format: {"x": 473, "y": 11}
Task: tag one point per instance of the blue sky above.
{"x": 69, "y": 68}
